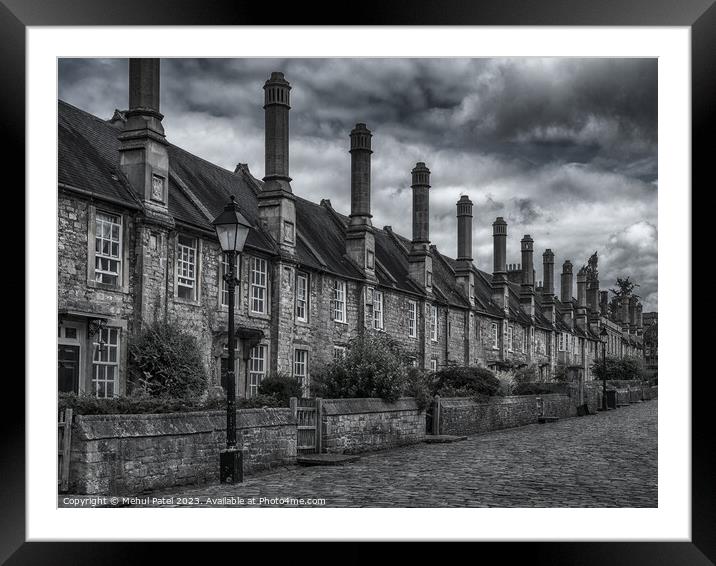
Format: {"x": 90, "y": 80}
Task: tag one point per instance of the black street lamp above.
{"x": 231, "y": 228}
{"x": 604, "y": 336}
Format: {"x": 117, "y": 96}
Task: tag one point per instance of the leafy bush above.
{"x": 627, "y": 368}
{"x": 560, "y": 373}
{"x": 281, "y": 387}
{"x": 461, "y": 381}
{"x": 531, "y": 389}
{"x": 525, "y": 374}
{"x": 128, "y": 405}
{"x": 374, "y": 366}
{"x": 507, "y": 382}
{"x": 165, "y": 361}
{"x": 418, "y": 386}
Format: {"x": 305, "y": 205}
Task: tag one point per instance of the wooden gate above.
{"x": 64, "y": 442}
{"x": 308, "y": 424}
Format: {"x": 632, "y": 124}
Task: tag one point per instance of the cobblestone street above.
{"x": 607, "y": 460}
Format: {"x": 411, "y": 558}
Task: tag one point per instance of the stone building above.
{"x": 136, "y": 244}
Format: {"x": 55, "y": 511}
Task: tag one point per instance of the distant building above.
{"x": 136, "y": 244}
{"x": 651, "y": 340}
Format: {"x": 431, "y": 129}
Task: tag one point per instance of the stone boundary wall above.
{"x": 129, "y": 454}
{"x": 351, "y": 426}
{"x": 459, "y": 415}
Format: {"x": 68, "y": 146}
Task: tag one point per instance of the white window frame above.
{"x": 378, "y": 309}
{"x": 100, "y": 240}
{"x": 433, "y": 364}
{"x": 338, "y": 301}
{"x": 560, "y": 347}
{"x": 301, "y": 297}
{"x": 102, "y": 361}
{"x": 187, "y": 267}
{"x": 300, "y": 369}
{"x": 339, "y": 352}
{"x": 256, "y": 368}
{"x": 510, "y": 336}
{"x": 495, "y": 336}
{"x": 412, "y": 319}
{"x": 258, "y": 277}
{"x": 224, "y": 288}
{"x": 434, "y": 323}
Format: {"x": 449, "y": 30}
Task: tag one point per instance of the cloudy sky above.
{"x": 564, "y": 149}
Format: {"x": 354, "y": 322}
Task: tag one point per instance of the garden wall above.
{"x": 459, "y": 415}
{"x": 128, "y": 454}
{"x": 359, "y": 425}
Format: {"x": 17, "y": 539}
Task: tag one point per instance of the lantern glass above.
{"x": 231, "y": 228}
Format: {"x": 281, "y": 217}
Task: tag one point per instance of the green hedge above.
{"x": 89, "y": 405}
{"x": 465, "y": 381}
{"x": 531, "y": 389}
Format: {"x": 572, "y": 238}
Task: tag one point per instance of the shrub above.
{"x": 164, "y": 361}
{"x": 627, "y": 368}
{"x": 281, "y": 387}
{"x": 531, "y": 389}
{"x": 461, "y": 381}
{"x": 507, "y": 382}
{"x": 374, "y": 366}
{"x": 560, "y": 373}
{"x": 128, "y": 405}
{"x": 525, "y": 374}
{"x": 418, "y": 386}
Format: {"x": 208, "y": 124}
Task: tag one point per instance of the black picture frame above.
{"x": 699, "y": 15}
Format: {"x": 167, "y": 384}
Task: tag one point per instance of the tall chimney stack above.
{"x": 548, "y": 273}
{"x": 566, "y": 294}
{"x": 277, "y": 207}
{"x": 581, "y": 318}
{"x": 639, "y": 318}
{"x": 527, "y": 288}
{"x": 499, "y": 256}
{"x": 421, "y": 265}
{"x": 464, "y": 275}
{"x": 548, "y": 285}
{"x": 360, "y": 239}
{"x": 633, "y": 302}
{"x": 464, "y": 229}
{"x": 604, "y": 303}
{"x": 276, "y": 105}
{"x": 143, "y": 148}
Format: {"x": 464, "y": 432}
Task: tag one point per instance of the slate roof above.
{"x": 89, "y": 161}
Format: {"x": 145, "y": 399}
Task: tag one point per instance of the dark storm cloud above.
{"x": 564, "y": 149}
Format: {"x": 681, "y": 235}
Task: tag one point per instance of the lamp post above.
{"x": 231, "y": 229}
{"x": 604, "y": 336}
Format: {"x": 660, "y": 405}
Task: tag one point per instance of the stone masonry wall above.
{"x": 359, "y": 425}
{"x": 465, "y": 416}
{"x": 128, "y": 454}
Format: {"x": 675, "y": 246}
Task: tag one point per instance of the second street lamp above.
{"x": 231, "y": 229}
{"x": 604, "y": 336}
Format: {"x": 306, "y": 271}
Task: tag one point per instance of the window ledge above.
{"x": 259, "y": 315}
{"x": 108, "y": 287}
{"x": 340, "y": 322}
{"x": 188, "y": 302}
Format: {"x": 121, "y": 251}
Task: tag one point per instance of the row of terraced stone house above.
{"x": 136, "y": 244}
